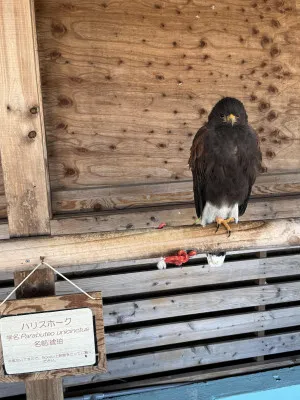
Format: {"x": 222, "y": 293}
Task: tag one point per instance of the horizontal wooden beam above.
{"x": 132, "y": 196}
{"x": 17, "y": 254}
{"x": 193, "y": 356}
{"x": 194, "y": 376}
{"x": 159, "y": 194}
{"x": 176, "y": 215}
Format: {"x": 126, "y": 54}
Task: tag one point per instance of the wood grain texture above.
{"x": 22, "y": 254}
{"x": 201, "y": 329}
{"x": 127, "y": 85}
{"x": 55, "y": 303}
{"x": 22, "y": 136}
{"x": 151, "y": 217}
{"x": 173, "y": 377}
{"x": 133, "y": 196}
{"x": 197, "y": 303}
{"x": 200, "y": 376}
{"x": 41, "y": 283}
{"x": 159, "y": 194}
{"x": 170, "y": 279}
{"x": 47, "y": 389}
{"x": 188, "y": 357}
{"x": 4, "y": 234}
{"x": 173, "y": 216}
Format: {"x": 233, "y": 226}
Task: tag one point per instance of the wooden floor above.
{"x": 190, "y": 323}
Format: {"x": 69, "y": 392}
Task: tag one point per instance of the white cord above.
{"x": 53, "y": 269}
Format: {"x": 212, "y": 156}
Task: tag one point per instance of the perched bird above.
{"x": 225, "y": 160}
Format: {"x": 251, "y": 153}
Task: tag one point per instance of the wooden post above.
{"x": 41, "y": 283}
{"x": 262, "y": 281}
{"x": 22, "y": 134}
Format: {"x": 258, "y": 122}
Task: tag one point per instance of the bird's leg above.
{"x": 197, "y": 220}
{"x": 225, "y": 223}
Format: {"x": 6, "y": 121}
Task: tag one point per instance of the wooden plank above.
{"x": 47, "y": 389}
{"x": 4, "y": 231}
{"x": 200, "y": 329}
{"x": 261, "y": 281}
{"x": 150, "y": 282}
{"x": 177, "y": 215}
{"x": 197, "y": 303}
{"x": 132, "y": 196}
{"x": 200, "y": 375}
{"x": 22, "y": 137}
{"x": 195, "y": 356}
{"x": 40, "y": 283}
{"x": 155, "y": 91}
{"x": 22, "y": 254}
{"x": 196, "y": 376}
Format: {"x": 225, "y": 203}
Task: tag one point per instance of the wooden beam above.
{"x": 46, "y": 389}
{"x": 200, "y": 329}
{"x": 22, "y": 134}
{"x": 193, "y": 356}
{"x": 194, "y": 376}
{"x": 159, "y": 194}
{"x": 41, "y": 283}
{"x": 199, "y": 303}
{"x": 134, "y": 196}
{"x": 176, "y": 215}
{"x": 20, "y": 254}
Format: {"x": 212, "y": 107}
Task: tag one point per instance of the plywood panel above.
{"x": 127, "y": 84}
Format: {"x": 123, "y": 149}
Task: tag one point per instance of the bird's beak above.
{"x": 231, "y": 118}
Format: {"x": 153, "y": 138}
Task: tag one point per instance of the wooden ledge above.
{"x": 71, "y": 250}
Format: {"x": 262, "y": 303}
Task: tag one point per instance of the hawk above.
{"x": 225, "y": 160}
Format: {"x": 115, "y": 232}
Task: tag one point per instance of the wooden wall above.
{"x": 127, "y": 84}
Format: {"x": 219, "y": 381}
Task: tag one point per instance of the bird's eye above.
{"x": 222, "y": 116}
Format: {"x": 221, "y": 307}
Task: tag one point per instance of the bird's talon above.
{"x": 218, "y": 226}
{"x": 225, "y": 223}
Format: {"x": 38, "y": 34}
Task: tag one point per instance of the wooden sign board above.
{"x": 52, "y": 336}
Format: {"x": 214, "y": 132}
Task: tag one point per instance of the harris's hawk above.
{"x": 225, "y": 160}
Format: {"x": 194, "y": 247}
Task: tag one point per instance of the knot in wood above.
{"x": 32, "y": 134}
{"x": 34, "y": 110}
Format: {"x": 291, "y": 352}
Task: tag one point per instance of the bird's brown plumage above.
{"x": 225, "y": 158}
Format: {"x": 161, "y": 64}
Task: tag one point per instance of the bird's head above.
{"x": 229, "y": 111}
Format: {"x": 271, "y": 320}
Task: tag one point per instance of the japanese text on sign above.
{"x": 50, "y": 340}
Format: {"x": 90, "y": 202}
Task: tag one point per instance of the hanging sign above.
{"x": 52, "y": 336}
{"x": 46, "y": 341}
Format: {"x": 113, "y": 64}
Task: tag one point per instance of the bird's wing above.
{"x": 197, "y": 165}
{"x": 258, "y": 164}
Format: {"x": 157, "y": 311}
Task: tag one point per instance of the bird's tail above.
{"x": 215, "y": 259}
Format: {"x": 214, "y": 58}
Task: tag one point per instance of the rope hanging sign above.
{"x": 51, "y": 336}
